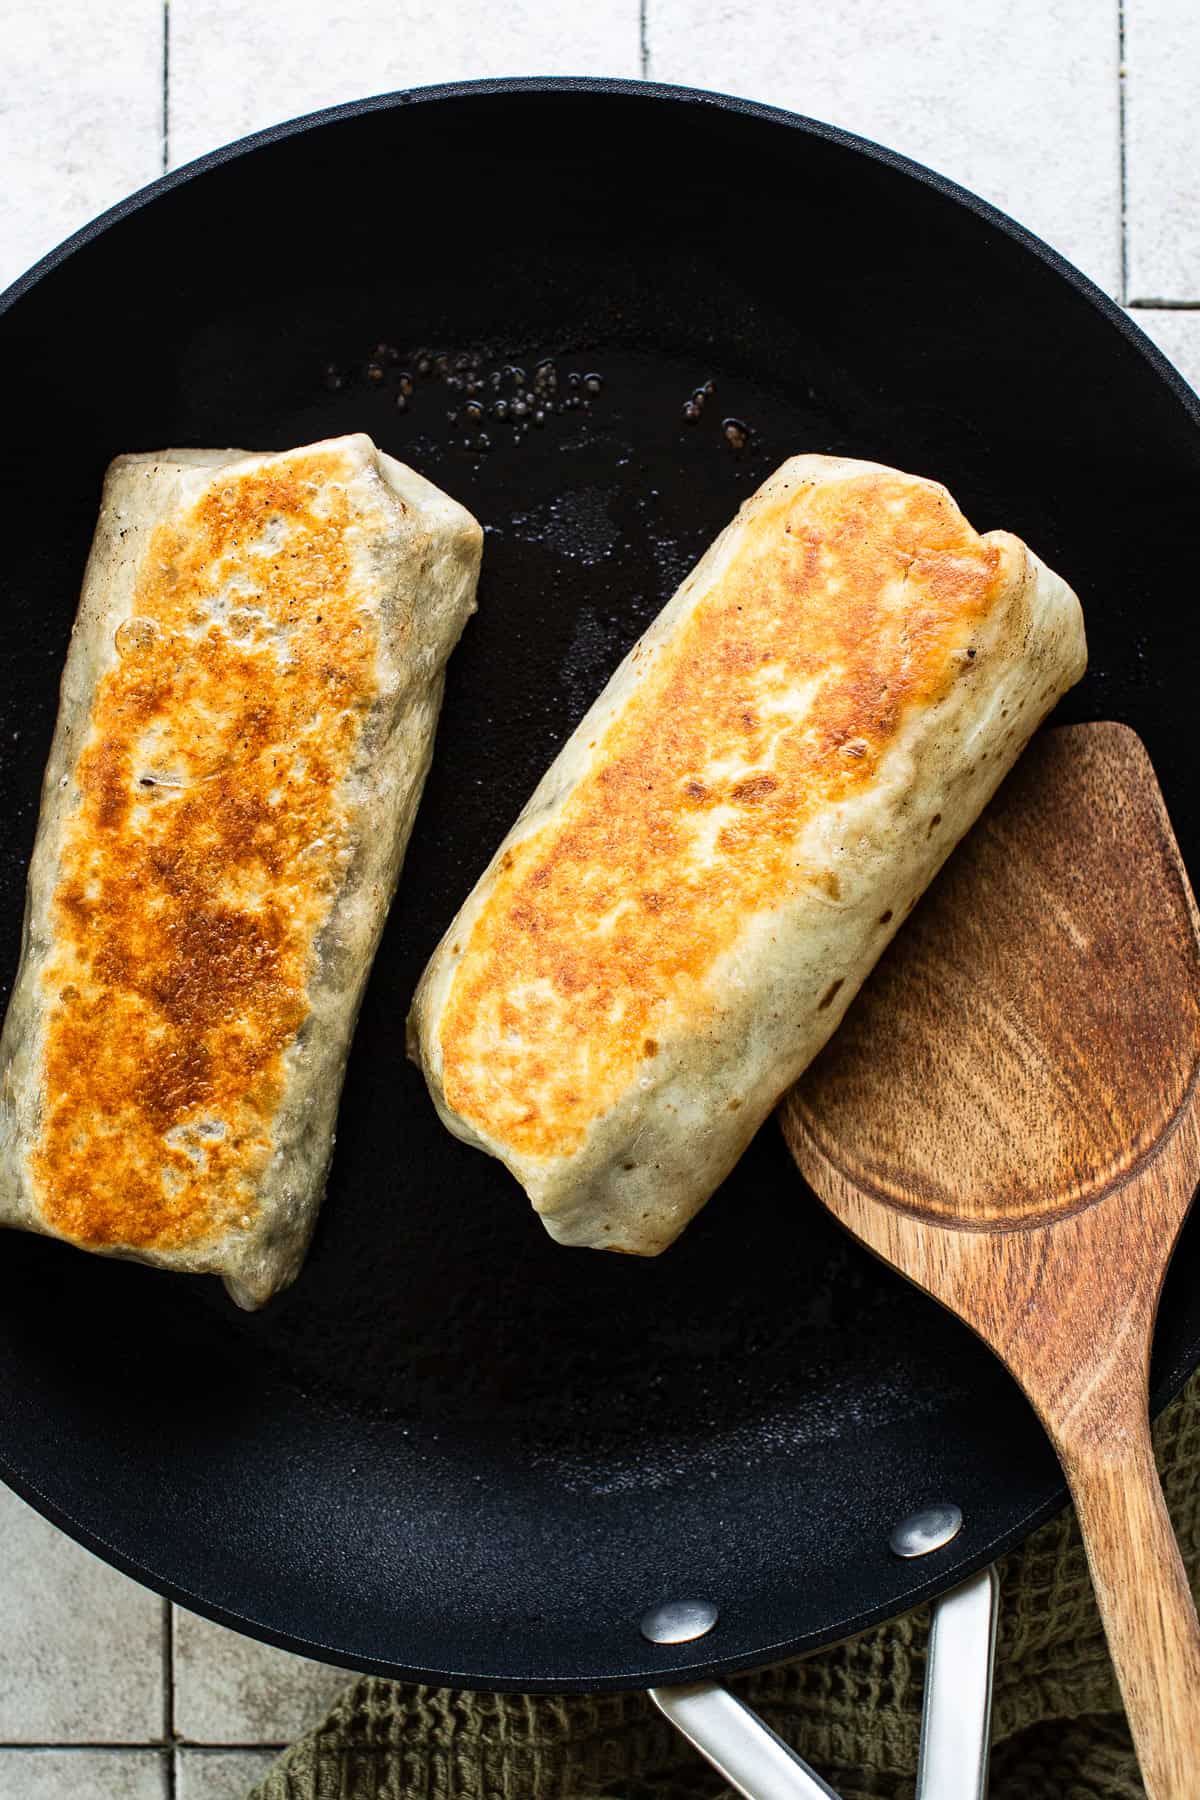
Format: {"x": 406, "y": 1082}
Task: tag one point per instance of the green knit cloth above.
{"x": 852, "y": 1712}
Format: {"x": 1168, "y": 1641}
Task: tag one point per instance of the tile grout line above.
{"x": 170, "y": 1770}
{"x": 1122, "y": 185}
{"x": 168, "y": 1696}
{"x": 151, "y": 1749}
{"x": 166, "y": 86}
{"x": 224, "y": 1749}
{"x": 1152, "y": 305}
{"x": 643, "y": 38}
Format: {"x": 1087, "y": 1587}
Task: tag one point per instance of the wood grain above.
{"x": 1009, "y": 1117}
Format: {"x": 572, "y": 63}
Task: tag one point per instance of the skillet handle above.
{"x": 756, "y": 1764}
{"x": 955, "y": 1714}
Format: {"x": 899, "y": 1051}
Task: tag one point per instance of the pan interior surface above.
{"x": 454, "y": 1449}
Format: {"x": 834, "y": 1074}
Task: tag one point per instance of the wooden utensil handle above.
{"x": 1145, "y": 1601}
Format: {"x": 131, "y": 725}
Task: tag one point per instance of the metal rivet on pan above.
{"x": 927, "y": 1530}
{"x": 678, "y": 1621}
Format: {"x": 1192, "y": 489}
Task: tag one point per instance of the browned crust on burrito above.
{"x": 614, "y": 915}
{"x": 199, "y": 862}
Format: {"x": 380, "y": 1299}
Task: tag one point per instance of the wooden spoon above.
{"x": 1008, "y": 1116}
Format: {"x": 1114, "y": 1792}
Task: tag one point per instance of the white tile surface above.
{"x": 1177, "y": 334}
{"x": 219, "y": 1774}
{"x": 1017, "y": 99}
{"x": 231, "y": 1689}
{"x": 81, "y": 99}
{"x": 237, "y": 65}
{"x": 83, "y": 1775}
{"x": 80, "y": 1645}
{"x": 1162, "y": 148}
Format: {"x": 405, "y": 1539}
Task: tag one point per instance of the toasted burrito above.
{"x": 246, "y": 721}
{"x": 703, "y": 878}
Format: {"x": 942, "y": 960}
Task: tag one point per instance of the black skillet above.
{"x": 453, "y": 1449}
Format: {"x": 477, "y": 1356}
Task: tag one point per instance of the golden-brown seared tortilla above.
{"x": 699, "y": 885}
{"x": 246, "y": 721}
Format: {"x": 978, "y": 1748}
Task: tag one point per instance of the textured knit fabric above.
{"x": 853, "y": 1712}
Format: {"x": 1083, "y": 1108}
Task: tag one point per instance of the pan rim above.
{"x": 674, "y": 1663}
{"x": 630, "y": 88}
{"x": 683, "y": 1662}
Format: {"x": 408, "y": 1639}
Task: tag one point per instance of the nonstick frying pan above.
{"x": 453, "y": 1450}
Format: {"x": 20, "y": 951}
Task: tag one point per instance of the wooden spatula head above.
{"x": 1035, "y": 1029}
{"x": 1010, "y": 1116}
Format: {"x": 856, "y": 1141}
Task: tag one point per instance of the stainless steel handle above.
{"x": 955, "y": 1714}
{"x": 737, "y": 1743}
